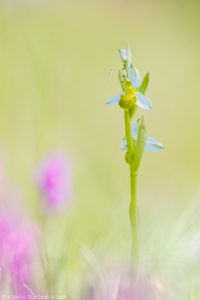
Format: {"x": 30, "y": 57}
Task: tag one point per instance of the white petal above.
{"x": 143, "y": 102}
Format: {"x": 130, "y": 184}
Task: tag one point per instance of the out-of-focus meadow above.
{"x": 55, "y": 58}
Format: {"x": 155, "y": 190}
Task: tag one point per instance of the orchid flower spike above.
{"x": 133, "y": 89}
{"x": 132, "y": 98}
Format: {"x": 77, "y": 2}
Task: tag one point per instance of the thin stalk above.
{"x": 133, "y": 217}
{"x": 133, "y": 179}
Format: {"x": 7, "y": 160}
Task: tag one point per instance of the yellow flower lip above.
{"x": 128, "y": 88}
{"x": 128, "y": 100}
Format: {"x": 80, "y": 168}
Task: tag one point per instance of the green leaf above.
{"x": 140, "y": 144}
{"x": 145, "y": 82}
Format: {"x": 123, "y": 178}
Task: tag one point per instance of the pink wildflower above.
{"x": 54, "y": 181}
{"x": 17, "y": 244}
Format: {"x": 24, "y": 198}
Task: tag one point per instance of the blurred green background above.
{"x": 55, "y": 57}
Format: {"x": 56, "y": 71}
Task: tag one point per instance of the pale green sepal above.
{"x": 124, "y": 146}
{"x": 134, "y": 130}
{"x": 134, "y": 76}
{"x": 114, "y": 100}
{"x": 143, "y": 102}
{"x": 123, "y": 54}
{"x": 153, "y": 145}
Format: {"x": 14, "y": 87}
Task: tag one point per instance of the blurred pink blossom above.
{"x": 17, "y": 247}
{"x": 54, "y": 181}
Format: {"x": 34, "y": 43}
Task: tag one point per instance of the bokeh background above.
{"x": 55, "y": 58}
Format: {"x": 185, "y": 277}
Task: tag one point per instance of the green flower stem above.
{"x": 133, "y": 179}
{"x": 133, "y": 217}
